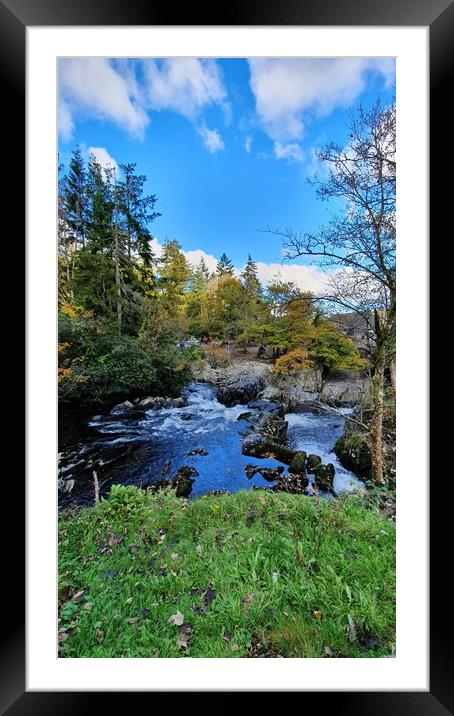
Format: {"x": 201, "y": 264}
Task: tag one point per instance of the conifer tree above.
{"x": 225, "y": 266}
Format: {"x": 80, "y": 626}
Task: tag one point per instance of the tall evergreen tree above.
{"x": 250, "y": 278}
{"x": 225, "y": 266}
{"x": 174, "y": 273}
{"x": 75, "y": 197}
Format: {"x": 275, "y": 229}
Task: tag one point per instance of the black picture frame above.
{"x": 15, "y": 17}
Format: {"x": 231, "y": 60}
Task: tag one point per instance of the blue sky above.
{"x": 226, "y": 145}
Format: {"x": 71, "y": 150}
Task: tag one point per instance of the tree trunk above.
{"x": 376, "y": 426}
{"x": 392, "y": 370}
{"x": 118, "y": 281}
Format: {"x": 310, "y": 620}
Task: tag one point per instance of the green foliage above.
{"x": 304, "y": 568}
{"x": 296, "y": 360}
{"x": 333, "y": 350}
{"x": 123, "y": 311}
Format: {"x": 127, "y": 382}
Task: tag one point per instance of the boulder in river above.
{"x": 354, "y": 454}
{"x": 271, "y": 474}
{"x": 295, "y": 484}
{"x": 272, "y": 427}
{"x": 127, "y": 405}
{"x": 298, "y": 464}
{"x": 198, "y": 451}
{"x": 250, "y": 470}
{"x": 267, "y": 406}
{"x": 257, "y": 445}
{"x": 312, "y": 462}
{"x": 241, "y": 391}
{"x": 324, "y": 475}
{"x": 176, "y": 403}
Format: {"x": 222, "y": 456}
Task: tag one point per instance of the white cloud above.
{"x": 93, "y": 86}
{"x": 307, "y": 278}
{"x": 194, "y": 257}
{"x": 65, "y": 121}
{"x": 184, "y": 84}
{"x": 287, "y": 91}
{"x": 211, "y": 138}
{"x": 248, "y": 144}
{"x": 103, "y": 158}
{"x": 290, "y": 151}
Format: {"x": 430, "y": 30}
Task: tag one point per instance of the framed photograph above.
{"x": 227, "y": 249}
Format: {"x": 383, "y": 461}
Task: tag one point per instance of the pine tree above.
{"x": 75, "y": 197}
{"x": 138, "y": 211}
{"x": 224, "y": 266}
{"x": 173, "y": 276}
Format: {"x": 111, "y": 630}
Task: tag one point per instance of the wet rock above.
{"x": 267, "y": 406}
{"x": 198, "y": 451}
{"x": 294, "y": 484}
{"x": 127, "y": 405}
{"x": 244, "y": 416}
{"x": 271, "y": 474}
{"x": 176, "y": 403}
{"x": 298, "y": 464}
{"x": 183, "y": 487}
{"x": 148, "y": 402}
{"x": 66, "y": 486}
{"x": 183, "y": 480}
{"x": 354, "y": 454}
{"x": 241, "y": 391}
{"x": 186, "y": 471}
{"x": 186, "y": 416}
{"x": 250, "y": 471}
{"x": 324, "y": 475}
{"x": 312, "y": 462}
{"x": 272, "y": 427}
{"x": 271, "y": 393}
{"x": 257, "y": 445}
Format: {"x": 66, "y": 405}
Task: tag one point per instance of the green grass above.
{"x": 287, "y": 570}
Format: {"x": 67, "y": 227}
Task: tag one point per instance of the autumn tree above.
{"x": 360, "y": 240}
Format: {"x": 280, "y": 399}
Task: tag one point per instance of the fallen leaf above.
{"x": 78, "y": 597}
{"x": 88, "y": 606}
{"x": 198, "y": 549}
{"x": 134, "y": 548}
{"x": 176, "y": 619}
{"x": 274, "y": 577}
{"x": 174, "y": 556}
{"x": 262, "y": 500}
{"x": 317, "y": 614}
{"x": 234, "y": 647}
{"x": 133, "y": 620}
{"x": 328, "y": 651}
{"x": 185, "y": 636}
{"x": 128, "y": 601}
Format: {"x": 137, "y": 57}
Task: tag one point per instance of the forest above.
{"x": 124, "y": 313}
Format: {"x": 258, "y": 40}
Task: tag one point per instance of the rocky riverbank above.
{"x": 243, "y": 380}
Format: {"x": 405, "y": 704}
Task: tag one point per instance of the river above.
{"x": 138, "y": 447}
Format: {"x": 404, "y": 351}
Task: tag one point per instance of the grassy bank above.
{"x": 250, "y": 574}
